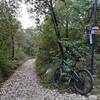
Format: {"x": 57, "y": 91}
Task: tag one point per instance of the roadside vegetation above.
{"x": 16, "y": 45}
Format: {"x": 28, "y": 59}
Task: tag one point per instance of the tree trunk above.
{"x": 13, "y": 47}
{"x": 54, "y": 19}
{"x": 66, "y": 29}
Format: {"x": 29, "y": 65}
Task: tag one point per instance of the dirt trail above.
{"x": 23, "y": 85}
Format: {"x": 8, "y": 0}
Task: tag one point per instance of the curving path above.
{"x": 23, "y": 85}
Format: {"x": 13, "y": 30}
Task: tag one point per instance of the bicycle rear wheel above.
{"x": 84, "y": 83}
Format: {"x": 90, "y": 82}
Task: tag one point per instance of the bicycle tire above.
{"x": 79, "y": 85}
{"x": 57, "y": 76}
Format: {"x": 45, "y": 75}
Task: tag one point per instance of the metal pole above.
{"x": 93, "y": 36}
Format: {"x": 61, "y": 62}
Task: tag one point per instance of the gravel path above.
{"x": 23, "y": 85}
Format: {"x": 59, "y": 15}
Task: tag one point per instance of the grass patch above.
{"x": 8, "y": 68}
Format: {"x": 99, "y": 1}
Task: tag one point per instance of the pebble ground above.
{"x": 24, "y": 85}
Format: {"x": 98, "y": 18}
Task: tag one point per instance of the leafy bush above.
{"x": 4, "y": 68}
{"x": 7, "y": 65}
{"x": 48, "y": 54}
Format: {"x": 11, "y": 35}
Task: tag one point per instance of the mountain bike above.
{"x": 80, "y": 80}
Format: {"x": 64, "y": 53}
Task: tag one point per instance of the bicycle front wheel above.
{"x": 84, "y": 83}
{"x": 57, "y": 76}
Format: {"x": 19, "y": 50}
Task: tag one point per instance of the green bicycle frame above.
{"x": 66, "y": 65}
{"x": 68, "y": 68}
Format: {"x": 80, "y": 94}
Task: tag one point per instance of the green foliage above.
{"x": 47, "y": 52}
{"x": 12, "y": 41}
{"x": 73, "y": 16}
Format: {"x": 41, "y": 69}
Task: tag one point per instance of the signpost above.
{"x": 91, "y": 32}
